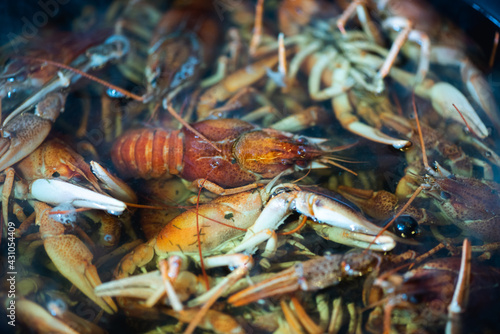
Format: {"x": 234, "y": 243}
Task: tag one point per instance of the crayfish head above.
{"x": 469, "y": 203}
{"x": 16, "y": 78}
{"x": 270, "y": 152}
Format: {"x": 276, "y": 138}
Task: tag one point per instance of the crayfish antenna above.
{"x": 420, "y": 136}
{"x": 494, "y": 50}
{"x": 174, "y": 113}
{"x": 124, "y": 92}
{"x": 88, "y": 76}
{"x": 465, "y": 121}
{"x": 332, "y": 161}
{"x": 421, "y": 187}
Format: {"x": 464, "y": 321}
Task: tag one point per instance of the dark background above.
{"x": 468, "y": 14}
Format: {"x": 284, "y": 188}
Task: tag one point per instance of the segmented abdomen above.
{"x": 148, "y": 153}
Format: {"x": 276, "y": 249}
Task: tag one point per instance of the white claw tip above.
{"x": 400, "y": 144}
{"x": 55, "y": 192}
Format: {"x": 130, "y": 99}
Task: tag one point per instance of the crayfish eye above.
{"x": 413, "y": 299}
{"x": 56, "y": 174}
{"x": 406, "y": 227}
{"x": 445, "y": 195}
{"x": 109, "y": 238}
{"x": 302, "y": 140}
{"x": 113, "y": 93}
{"x": 21, "y": 76}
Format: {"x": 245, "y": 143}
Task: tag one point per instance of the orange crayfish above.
{"x": 247, "y": 153}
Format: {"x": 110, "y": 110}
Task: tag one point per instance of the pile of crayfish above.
{"x": 227, "y": 166}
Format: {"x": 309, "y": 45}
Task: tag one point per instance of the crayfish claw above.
{"x": 55, "y": 192}
{"x": 71, "y": 257}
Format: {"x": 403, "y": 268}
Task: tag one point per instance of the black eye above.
{"x": 56, "y": 174}
{"x": 414, "y": 299}
{"x": 445, "y": 195}
{"x": 302, "y": 140}
{"x": 21, "y": 76}
{"x": 406, "y": 227}
{"x": 487, "y": 154}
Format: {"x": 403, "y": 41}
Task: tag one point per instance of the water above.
{"x": 380, "y": 167}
